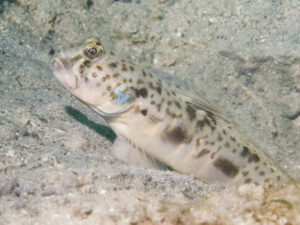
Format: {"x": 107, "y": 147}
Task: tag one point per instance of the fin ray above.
{"x": 128, "y": 152}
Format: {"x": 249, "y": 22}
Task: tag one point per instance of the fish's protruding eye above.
{"x": 93, "y": 48}
{"x": 91, "y": 53}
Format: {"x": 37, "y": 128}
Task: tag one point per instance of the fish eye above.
{"x": 91, "y": 53}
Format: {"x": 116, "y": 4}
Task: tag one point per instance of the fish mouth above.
{"x": 62, "y": 68}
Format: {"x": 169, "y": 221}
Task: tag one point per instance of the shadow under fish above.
{"x": 102, "y": 130}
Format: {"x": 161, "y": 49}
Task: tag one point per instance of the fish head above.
{"x": 93, "y": 77}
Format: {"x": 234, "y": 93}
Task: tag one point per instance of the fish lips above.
{"x": 62, "y": 68}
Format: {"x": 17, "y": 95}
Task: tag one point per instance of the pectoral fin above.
{"x": 128, "y": 152}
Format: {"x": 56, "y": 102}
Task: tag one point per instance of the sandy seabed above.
{"x": 55, "y": 161}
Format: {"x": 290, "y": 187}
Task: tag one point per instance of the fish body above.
{"x": 161, "y": 125}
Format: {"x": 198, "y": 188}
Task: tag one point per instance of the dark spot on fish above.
{"x": 140, "y": 81}
{"x": 177, "y": 104}
{"x": 158, "y": 89}
{"x": 124, "y": 80}
{"x": 144, "y": 112}
{"x": 177, "y": 135}
{"x": 86, "y": 79}
{"x": 131, "y": 68}
{"x": 245, "y": 152}
{"x": 115, "y": 75}
{"x": 191, "y": 112}
{"x": 213, "y": 119}
{"x": 81, "y": 67}
{"x": 213, "y": 155}
{"x": 233, "y": 139}
{"x": 278, "y": 178}
{"x": 253, "y": 158}
{"x": 261, "y": 173}
{"x": 256, "y": 168}
{"x": 87, "y": 63}
{"x": 107, "y": 76}
{"x": 227, "y": 145}
{"x": 112, "y": 65}
{"x": 152, "y": 95}
{"x": 150, "y": 75}
{"x": 130, "y": 80}
{"x": 151, "y": 85}
{"x": 200, "y": 124}
{"x": 141, "y": 92}
{"x": 226, "y": 166}
{"x": 202, "y": 153}
{"x": 111, "y": 53}
{"x": 248, "y": 180}
{"x": 124, "y": 68}
{"x": 152, "y": 102}
{"x": 267, "y": 180}
{"x": 158, "y": 107}
{"x": 234, "y": 150}
{"x": 245, "y": 173}
{"x": 108, "y": 88}
{"x": 144, "y": 92}
{"x": 169, "y": 103}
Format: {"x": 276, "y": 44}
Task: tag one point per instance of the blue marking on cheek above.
{"x": 122, "y": 98}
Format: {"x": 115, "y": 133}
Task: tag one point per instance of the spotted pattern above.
{"x": 183, "y": 122}
{"x": 252, "y": 157}
{"x": 99, "y": 67}
{"x": 124, "y": 68}
{"x": 226, "y": 166}
{"x": 115, "y": 75}
{"x": 191, "y": 112}
{"x": 113, "y": 65}
{"x": 144, "y": 112}
{"x": 143, "y": 92}
{"x": 177, "y": 135}
{"x": 202, "y": 153}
